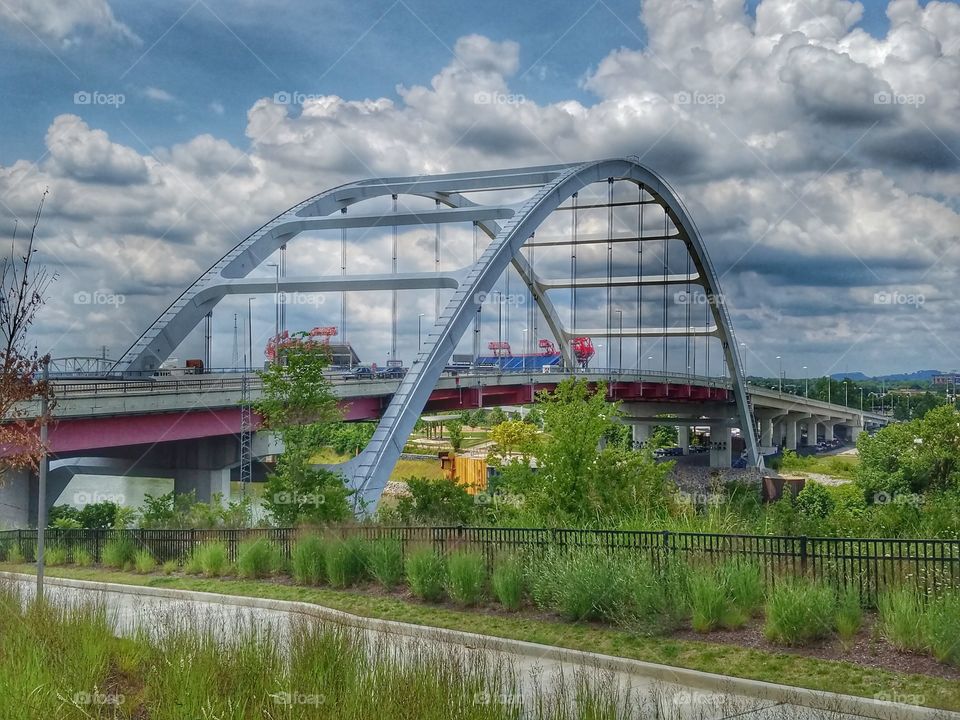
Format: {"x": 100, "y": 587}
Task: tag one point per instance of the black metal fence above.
{"x": 870, "y": 565}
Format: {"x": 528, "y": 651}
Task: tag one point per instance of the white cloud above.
{"x": 158, "y": 94}
{"x": 64, "y": 23}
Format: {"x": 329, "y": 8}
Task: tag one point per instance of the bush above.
{"x": 143, "y": 562}
{"x": 587, "y": 584}
{"x": 344, "y": 561}
{"x": 799, "y": 612}
{"x": 743, "y": 584}
{"x": 258, "y": 558}
{"x": 56, "y": 555}
{"x": 308, "y": 560}
{"x": 901, "y": 618}
{"x": 385, "y": 560}
{"x": 118, "y": 552}
{"x": 15, "y": 554}
{"x": 507, "y": 581}
{"x": 466, "y": 577}
{"x": 82, "y": 556}
{"x": 169, "y": 567}
{"x": 440, "y": 502}
{"x": 849, "y": 615}
{"x": 814, "y": 501}
{"x": 426, "y": 574}
{"x": 212, "y": 559}
{"x": 942, "y": 628}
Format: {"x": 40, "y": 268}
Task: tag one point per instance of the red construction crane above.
{"x": 583, "y": 350}
{"x": 547, "y": 347}
{"x": 500, "y": 348}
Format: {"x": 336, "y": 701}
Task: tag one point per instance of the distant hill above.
{"x": 894, "y": 377}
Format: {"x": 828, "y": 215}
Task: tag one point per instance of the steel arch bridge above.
{"x": 533, "y": 195}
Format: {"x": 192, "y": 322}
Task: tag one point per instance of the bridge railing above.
{"x": 871, "y": 565}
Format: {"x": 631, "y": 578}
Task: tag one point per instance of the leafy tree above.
{"x": 534, "y": 417}
{"x": 455, "y": 432}
{"x": 814, "y": 500}
{"x": 298, "y": 403}
{"x": 916, "y": 406}
{"x": 513, "y": 436}
{"x": 442, "y": 501}
{"x": 66, "y": 515}
{"x": 496, "y": 416}
{"x": 662, "y": 436}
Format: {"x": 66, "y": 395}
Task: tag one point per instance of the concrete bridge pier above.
{"x": 683, "y": 438}
{"x": 766, "y": 420}
{"x": 720, "y": 446}
{"x": 15, "y": 492}
{"x": 828, "y": 430}
{"x": 641, "y": 433}
{"x": 812, "y": 425}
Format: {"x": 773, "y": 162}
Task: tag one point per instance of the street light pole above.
{"x": 419, "y": 326}
{"x": 42, "y": 482}
{"x": 806, "y": 384}
{"x": 845, "y": 402}
{"x": 780, "y": 376}
{"x": 743, "y": 359}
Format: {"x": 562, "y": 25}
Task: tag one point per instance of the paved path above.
{"x": 650, "y": 698}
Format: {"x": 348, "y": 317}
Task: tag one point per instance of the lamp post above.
{"x": 42, "y": 479}
{"x": 845, "y": 402}
{"x": 250, "y": 332}
{"x": 419, "y": 326}
{"x": 743, "y": 359}
{"x": 861, "y": 399}
{"x": 806, "y": 384}
{"x": 524, "y": 349}
{"x": 276, "y": 301}
{"x": 780, "y": 375}
{"x": 829, "y": 385}
{"x": 620, "y": 343}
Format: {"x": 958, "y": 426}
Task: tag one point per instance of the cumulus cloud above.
{"x": 64, "y": 23}
{"x": 820, "y": 163}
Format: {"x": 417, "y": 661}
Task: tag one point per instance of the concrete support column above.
{"x": 812, "y": 431}
{"x": 15, "y": 499}
{"x": 206, "y": 483}
{"x": 828, "y": 430}
{"x": 720, "y": 446}
{"x": 853, "y": 432}
{"x": 683, "y": 438}
{"x": 641, "y": 433}
{"x": 791, "y": 443}
{"x": 766, "y": 431}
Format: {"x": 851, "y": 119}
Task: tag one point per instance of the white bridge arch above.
{"x": 508, "y": 226}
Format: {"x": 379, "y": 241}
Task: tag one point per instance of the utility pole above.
{"x": 42, "y": 483}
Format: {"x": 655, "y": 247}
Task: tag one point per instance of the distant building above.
{"x": 947, "y": 379}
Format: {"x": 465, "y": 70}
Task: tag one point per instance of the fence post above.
{"x": 803, "y": 554}
{"x": 666, "y": 547}
{"x": 96, "y": 545}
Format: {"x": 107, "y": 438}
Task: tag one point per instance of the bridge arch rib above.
{"x": 509, "y": 228}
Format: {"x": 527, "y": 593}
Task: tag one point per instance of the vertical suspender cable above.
{"x": 610, "y": 273}
{"x": 343, "y": 272}
{"x": 706, "y": 339}
{"x": 476, "y": 320}
{"x": 688, "y": 320}
{"x": 394, "y": 310}
{"x": 436, "y": 265}
{"x": 283, "y": 295}
{"x": 639, "y": 275}
{"x": 573, "y": 265}
{"x": 666, "y": 264}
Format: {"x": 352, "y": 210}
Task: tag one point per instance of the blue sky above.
{"x": 824, "y": 176}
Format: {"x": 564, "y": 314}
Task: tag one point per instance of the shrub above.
{"x": 507, "y": 581}
{"x": 143, "y": 562}
{"x": 258, "y": 558}
{"x": 81, "y": 556}
{"x": 426, "y": 573}
{"x": 586, "y": 584}
{"x": 849, "y": 615}
{"x": 308, "y": 560}
{"x": 743, "y": 584}
{"x": 901, "y": 618}
{"x": 192, "y": 564}
{"x": 942, "y": 628}
{"x": 385, "y": 560}
{"x": 212, "y": 559}
{"x": 814, "y": 500}
{"x": 56, "y": 555}
{"x": 441, "y": 501}
{"x": 466, "y": 577}
{"x": 799, "y": 611}
{"x": 344, "y": 561}
{"x": 118, "y": 552}
{"x": 169, "y": 567}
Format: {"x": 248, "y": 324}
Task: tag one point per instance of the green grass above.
{"x": 901, "y": 619}
{"x": 941, "y": 624}
{"x": 426, "y": 572}
{"x": 801, "y": 671}
{"x": 213, "y": 559}
{"x": 709, "y": 604}
{"x": 849, "y": 615}
{"x": 56, "y": 555}
{"x": 169, "y": 567}
{"x": 466, "y": 577}
{"x": 385, "y": 562}
{"x": 429, "y": 469}
{"x": 258, "y": 558}
{"x": 799, "y": 612}
{"x": 345, "y": 561}
{"x": 81, "y": 556}
{"x": 307, "y": 560}
{"x": 144, "y": 562}
{"x": 118, "y": 552}
{"x": 508, "y": 580}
